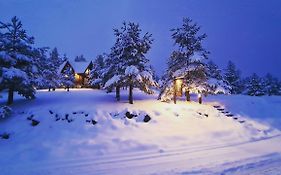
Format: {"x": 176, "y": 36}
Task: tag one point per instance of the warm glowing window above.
{"x": 77, "y": 77}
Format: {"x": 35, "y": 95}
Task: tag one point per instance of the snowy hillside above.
{"x": 86, "y": 132}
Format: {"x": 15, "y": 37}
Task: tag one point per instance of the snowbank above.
{"x": 87, "y": 132}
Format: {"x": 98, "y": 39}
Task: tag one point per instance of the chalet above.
{"x": 81, "y": 71}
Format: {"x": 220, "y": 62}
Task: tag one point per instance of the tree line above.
{"x": 25, "y": 68}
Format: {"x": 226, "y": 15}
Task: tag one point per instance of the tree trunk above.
{"x": 175, "y": 95}
{"x": 131, "y": 93}
{"x": 187, "y": 95}
{"x": 200, "y": 99}
{"x": 10, "y": 96}
{"x": 67, "y": 89}
{"x": 118, "y": 93}
{"x": 49, "y": 89}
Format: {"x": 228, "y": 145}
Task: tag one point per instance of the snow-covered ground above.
{"x": 182, "y": 138}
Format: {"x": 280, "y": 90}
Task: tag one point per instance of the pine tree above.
{"x": 17, "y": 60}
{"x": 113, "y": 70}
{"x": 186, "y": 61}
{"x": 272, "y": 85}
{"x": 213, "y": 70}
{"x": 255, "y": 86}
{"x": 215, "y": 81}
{"x": 51, "y": 72}
{"x": 127, "y": 64}
{"x": 233, "y": 78}
{"x": 80, "y": 58}
{"x": 96, "y": 75}
{"x": 68, "y": 78}
{"x": 42, "y": 62}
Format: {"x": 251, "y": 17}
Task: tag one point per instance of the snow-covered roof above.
{"x": 79, "y": 67}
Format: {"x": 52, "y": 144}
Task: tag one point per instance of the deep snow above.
{"x": 182, "y": 138}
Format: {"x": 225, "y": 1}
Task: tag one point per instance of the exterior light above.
{"x": 178, "y": 82}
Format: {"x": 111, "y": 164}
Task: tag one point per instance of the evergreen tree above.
{"x": 215, "y": 83}
{"x": 41, "y": 61}
{"x": 272, "y": 85}
{"x": 51, "y": 72}
{"x": 186, "y": 61}
{"x": 127, "y": 63}
{"x": 96, "y": 75}
{"x": 255, "y": 86}
{"x": 48, "y": 66}
{"x": 68, "y": 78}
{"x": 233, "y": 78}
{"x": 80, "y": 58}
{"x": 17, "y": 60}
{"x": 213, "y": 70}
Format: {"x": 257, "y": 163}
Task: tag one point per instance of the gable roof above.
{"x": 79, "y": 67}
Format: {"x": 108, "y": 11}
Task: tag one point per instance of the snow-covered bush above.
{"x": 5, "y": 111}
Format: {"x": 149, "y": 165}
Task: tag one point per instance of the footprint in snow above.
{"x": 157, "y": 113}
{"x": 167, "y": 109}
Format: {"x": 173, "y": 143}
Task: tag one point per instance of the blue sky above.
{"x": 244, "y": 31}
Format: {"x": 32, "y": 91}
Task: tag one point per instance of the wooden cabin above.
{"x": 81, "y": 71}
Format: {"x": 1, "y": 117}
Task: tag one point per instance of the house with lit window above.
{"x": 81, "y": 71}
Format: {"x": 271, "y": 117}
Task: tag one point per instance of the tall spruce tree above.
{"x": 52, "y": 74}
{"x": 80, "y": 58}
{"x": 128, "y": 64}
{"x": 215, "y": 81}
{"x": 68, "y": 78}
{"x": 111, "y": 74}
{"x": 186, "y": 61}
{"x": 17, "y": 60}
{"x": 97, "y": 74}
{"x": 233, "y": 78}
{"x": 42, "y": 63}
{"x": 255, "y": 86}
{"x": 272, "y": 85}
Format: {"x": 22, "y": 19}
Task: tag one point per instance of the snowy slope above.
{"x": 265, "y": 109}
{"x": 186, "y": 138}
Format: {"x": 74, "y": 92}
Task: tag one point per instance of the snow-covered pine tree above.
{"x": 215, "y": 81}
{"x": 272, "y": 85}
{"x": 55, "y": 58}
{"x": 96, "y": 75}
{"x": 186, "y": 61}
{"x": 52, "y": 73}
{"x": 68, "y": 78}
{"x": 113, "y": 70}
{"x": 255, "y": 86}
{"x": 17, "y": 60}
{"x": 233, "y": 78}
{"x": 128, "y": 64}
{"x": 41, "y": 61}
{"x": 80, "y": 58}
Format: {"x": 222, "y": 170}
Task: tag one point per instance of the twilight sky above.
{"x": 246, "y": 31}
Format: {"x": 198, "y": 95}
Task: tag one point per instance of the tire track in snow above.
{"x": 103, "y": 164}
